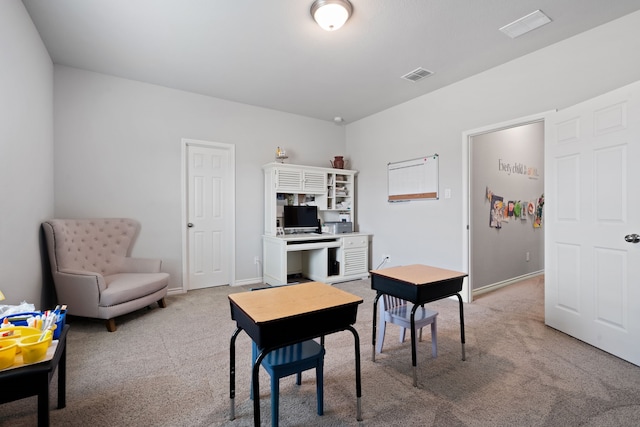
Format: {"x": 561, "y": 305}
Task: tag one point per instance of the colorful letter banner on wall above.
{"x": 501, "y": 211}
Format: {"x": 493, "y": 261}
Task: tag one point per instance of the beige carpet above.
{"x": 169, "y": 367}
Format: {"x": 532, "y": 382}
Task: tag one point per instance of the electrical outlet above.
{"x": 528, "y": 256}
{"x": 256, "y": 260}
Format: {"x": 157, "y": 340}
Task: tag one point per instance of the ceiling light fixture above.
{"x": 331, "y": 14}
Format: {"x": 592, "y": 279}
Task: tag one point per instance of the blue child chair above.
{"x": 289, "y": 360}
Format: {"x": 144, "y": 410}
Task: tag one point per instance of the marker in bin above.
{"x": 36, "y": 320}
{"x": 47, "y": 323}
{"x": 45, "y": 320}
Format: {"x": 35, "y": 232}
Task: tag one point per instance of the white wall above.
{"x": 26, "y": 154}
{"x": 561, "y": 75}
{"x": 117, "y": 153}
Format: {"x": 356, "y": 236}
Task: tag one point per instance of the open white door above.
{"x": 592, "y": 208}
{"x": 209, "y": 214}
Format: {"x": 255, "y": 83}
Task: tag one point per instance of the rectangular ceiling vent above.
{"x": 525, "y": 24}
{"x": 417, "y": 74}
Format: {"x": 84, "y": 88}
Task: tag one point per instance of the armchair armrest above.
{"x": 141, "y": 265}
{"x": 79, "y": 290}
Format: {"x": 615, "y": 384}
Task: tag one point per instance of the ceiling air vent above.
{"x": 525, "y": 24}
{"x": 417, "y": 75}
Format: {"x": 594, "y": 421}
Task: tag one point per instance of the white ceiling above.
{"x": 272, "y": 54}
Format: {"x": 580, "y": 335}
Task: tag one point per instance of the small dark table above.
{"x": 418, "y": 284}
{"x": 34, "y": 379}
{"x": 285, "y": 315}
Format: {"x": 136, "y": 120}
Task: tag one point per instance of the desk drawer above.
{"x": 417, "y": 294}
{"x": 310, "y": 246}
{"x": 289, "y": 330}
{"x": 355, "y": 242}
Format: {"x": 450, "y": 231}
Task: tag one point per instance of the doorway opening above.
{"x": 504, "y": 179}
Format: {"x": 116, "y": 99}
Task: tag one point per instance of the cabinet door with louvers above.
{"x": 288, "y": 180}
{"x": 355, "y": 262}
{"x": 314, "y": 182}
{"x": 355, "y": 255}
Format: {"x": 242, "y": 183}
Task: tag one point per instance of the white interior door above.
{"x": 209, "y": 218}
{"x": 592, "y": 281}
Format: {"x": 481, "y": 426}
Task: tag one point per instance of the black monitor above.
{"x": 301, "y": 217}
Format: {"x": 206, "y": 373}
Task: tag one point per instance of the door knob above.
{"x": 632, "y": 238}
{"x": 190, "y": 225}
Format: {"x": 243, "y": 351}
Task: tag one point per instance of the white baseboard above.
{"x": 498, "y": 285}
{"x": 252, "y": 281}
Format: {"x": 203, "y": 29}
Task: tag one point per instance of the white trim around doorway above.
{"x": 184, "y": 214}
{"x": 467, "y": 290}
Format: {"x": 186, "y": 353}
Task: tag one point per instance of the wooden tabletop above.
{"x": 419, "y": 274}
{"x": 280, "y": 302}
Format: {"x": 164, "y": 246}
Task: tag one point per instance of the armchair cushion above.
{"x": 129, "y": 286}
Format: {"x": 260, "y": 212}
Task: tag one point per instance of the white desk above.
{"x": 327, "y": 258}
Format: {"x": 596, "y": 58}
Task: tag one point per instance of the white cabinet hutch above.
{"x": 325, "y": 257}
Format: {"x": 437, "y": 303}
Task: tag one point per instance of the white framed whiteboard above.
{"x": 413, "y": 179}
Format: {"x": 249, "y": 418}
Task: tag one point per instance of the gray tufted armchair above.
{"x": 93, "y": 272}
